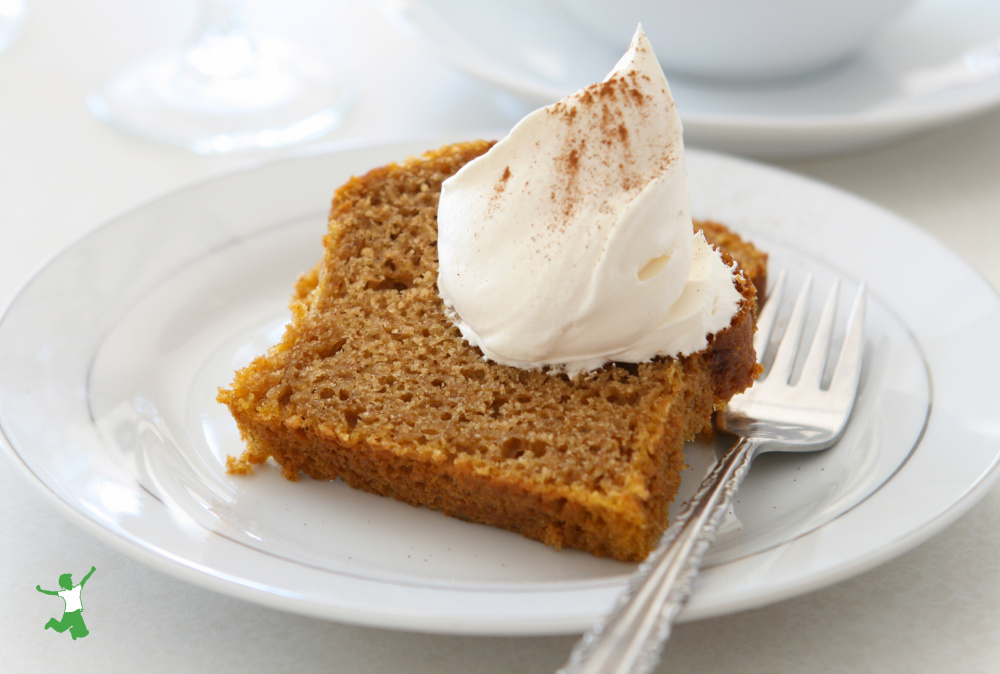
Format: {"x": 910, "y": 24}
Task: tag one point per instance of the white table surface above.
{"x": 934, "y": 609}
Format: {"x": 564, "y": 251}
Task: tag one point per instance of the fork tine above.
{"x": 768, "y": 316}
{"x": 788, "y": 348}
{"x": 819, "y": 351}
{"x": 848, "y": 370}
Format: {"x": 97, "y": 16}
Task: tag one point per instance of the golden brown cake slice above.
{"x": 373, "y": 385}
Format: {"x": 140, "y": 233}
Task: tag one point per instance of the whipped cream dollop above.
{"x": 570, "y": 242}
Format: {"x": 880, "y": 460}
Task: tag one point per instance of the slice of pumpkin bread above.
{"x": 373, "y": 385}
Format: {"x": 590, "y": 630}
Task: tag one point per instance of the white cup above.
{"x": 742, "y": 39}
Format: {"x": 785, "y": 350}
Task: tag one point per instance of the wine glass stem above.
{"x": 219, "y": 18}
{"x": 222, "y": 45}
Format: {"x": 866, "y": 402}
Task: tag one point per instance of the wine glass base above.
{"x": 272, "y": 97}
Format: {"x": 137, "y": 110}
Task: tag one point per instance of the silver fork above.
{"x": 775, "y": 414}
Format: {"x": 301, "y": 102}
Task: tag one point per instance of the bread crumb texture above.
{"x": 373, "y": 385}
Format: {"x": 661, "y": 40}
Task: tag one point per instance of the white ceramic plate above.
{"x": 927, "y": 70}
{"x": 111, "y": 355}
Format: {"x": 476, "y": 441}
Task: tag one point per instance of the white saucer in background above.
{"x": 897, "y": 87}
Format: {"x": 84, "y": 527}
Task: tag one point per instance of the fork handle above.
{"x": 629, "y": 639}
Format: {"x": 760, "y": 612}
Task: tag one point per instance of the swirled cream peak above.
{"x": 570, "y": 242}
